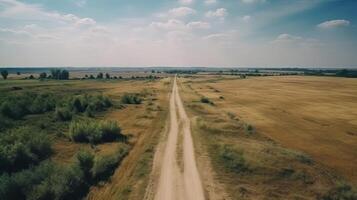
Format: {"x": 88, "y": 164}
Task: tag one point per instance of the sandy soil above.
{"x": 173, "y": 183}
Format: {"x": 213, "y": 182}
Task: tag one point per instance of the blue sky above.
{"x": 220, "y": 33}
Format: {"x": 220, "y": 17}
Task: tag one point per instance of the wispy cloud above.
{"x": 334, "y": 24}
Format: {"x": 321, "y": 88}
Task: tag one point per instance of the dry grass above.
{"x": 144, "y": 123}
{"x": 309, "y": 114}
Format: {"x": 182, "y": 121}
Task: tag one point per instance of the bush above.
{"x": 63, "y": 114}
{"x": 17, "y": 106}
{"x": 105, "y": 166}
{"x": 85, "y": 161}
{"x": 131, "y": 99}
{"x": 206, "y": 100}
{"x": 232, "y": 159}
{"x": 95, "y": 132}
{"x": 19, "y": 185}
{"x": 21, "y": 148}
{"x": 341, "y": 192}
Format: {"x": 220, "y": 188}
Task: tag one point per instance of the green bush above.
{"x": 105, "y": 166}
{"x": 95, "y": 132}
{"x": 85, "y": 161}
{"x": 17, "y": 106}
{"x": 131, "y": 99}
{"x": 232, "y": 159}
{"x": 63, "y": 114}
{"x": 21, "y": 148}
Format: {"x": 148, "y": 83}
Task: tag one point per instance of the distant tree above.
{"x": 115, "y": 77}
{"x": 43, "y": 75}
{"x": 107, "y": 75}
{"x": 100, "y": 75}
{"x": 4, "y": 74}
{"x": 31, "y": 77}
{"x": 120, "y": 77}
{"x": 18, "y": 73}
{"x": 59, "y": 74}
{"x": 64, "y": 75}
{"x": 86, "y": 76}
{"x": 152, "y": 71}
{"x": 91, "y": 76}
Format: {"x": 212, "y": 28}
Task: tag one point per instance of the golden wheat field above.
{"x": 316, "y": 115}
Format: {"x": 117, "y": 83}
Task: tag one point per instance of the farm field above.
{"x": 291, "y": 132}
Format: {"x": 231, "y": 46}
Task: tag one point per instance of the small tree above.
{"x": 43, "y": 75}
{"x": 18, "y": 73}
{"x": 100, "y": 75}
{"x": 4, "y": 74}
{"x": 107, "y": 75}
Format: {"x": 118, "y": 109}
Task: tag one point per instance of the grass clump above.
{"x": 131, "y": 99}
{"x": 95, "y": 132}
{"x": 232, "y": 159}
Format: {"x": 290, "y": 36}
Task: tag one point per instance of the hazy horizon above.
{"x": 178, "y": 33}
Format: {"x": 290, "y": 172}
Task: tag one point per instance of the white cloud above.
{"x": 209, "y": 2}
{"x": 220, "y": 13}
{"x": 171, "y": 24}
{"x": 198, "y": 25}
{"x": 294, "y": 41}
{"x": 181, "y": 12}
{"x": 175, "y": 25}
{"x": 246, "y": 18}
{"x": 86, "y": 22}
{"x": 334, "y": 24}
{"x": 185, "y": 2}
{"x": 253, "y": 1}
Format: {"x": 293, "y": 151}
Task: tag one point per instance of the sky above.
{"x": 180, "y": 33}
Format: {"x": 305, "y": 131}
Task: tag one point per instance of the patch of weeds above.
{"x": 305, "y": 159}
{"x": 232, "y": 159}
{"x": 342, "y": 191}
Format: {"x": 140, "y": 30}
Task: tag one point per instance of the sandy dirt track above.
{"x": 173, "y": 183}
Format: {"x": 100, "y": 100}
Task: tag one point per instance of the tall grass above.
{"x": 95, "y": 132}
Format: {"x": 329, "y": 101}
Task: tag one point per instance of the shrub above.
{"x": 341, "y": 192}
{"x": 232, "y": 159}
{"x": 63, "y": 114}
{"x": 17, "y": 106}
{"x": 85, "y": 161}
{"x": 131, "y": 99}
{"x": 206, "y": 100}
{"x": 95, "y": 132}
{"x": 21, "y": 148}
{"x": 105, "y": 166}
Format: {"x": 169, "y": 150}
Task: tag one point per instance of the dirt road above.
{"x": 175, "y": 183}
